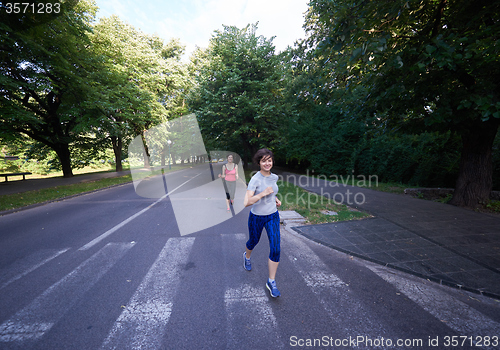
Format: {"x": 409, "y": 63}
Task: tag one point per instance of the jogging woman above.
{"x": 229, "y": 176}
{"x": 261, "y": 195}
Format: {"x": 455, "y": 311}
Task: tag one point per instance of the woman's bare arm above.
{"x": 251, "y": 198}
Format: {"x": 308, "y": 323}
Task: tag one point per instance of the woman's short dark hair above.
{"x": 261, "y": 153}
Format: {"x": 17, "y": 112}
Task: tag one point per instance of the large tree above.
{"x": 44, "y": 67}
{"x": 140, "y": 85}
{"x": 426, "y": 64}
{"x": 237, "y": 99}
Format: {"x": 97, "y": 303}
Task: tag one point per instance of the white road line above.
{"x": 24, "y": 266}
{"x": 42, "y": 313}
{"x": 314, "y": 271}
{"x": 248, "y": 306}
{"x": 126, "y": 221}
{"x": 121, "y": 224}
{"x": 143, "y": 322}
{"x": 330, "y": 290}
{"x": 250, "y": 317}
{"x": 452, "y": 312}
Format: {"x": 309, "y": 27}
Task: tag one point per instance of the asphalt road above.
{"x": 112, "y": 270}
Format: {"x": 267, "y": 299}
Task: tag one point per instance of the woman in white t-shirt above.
{"x": 261, "y": 195}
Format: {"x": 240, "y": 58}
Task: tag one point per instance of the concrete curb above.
{"x": 291, "y": 218}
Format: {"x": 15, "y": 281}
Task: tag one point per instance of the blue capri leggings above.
{"x": 272, "y": 224}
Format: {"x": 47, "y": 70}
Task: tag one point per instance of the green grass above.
{"x": 390, "y": 187}
{"x": 58, "y": 173}
{"x": 313, "y": 206}
{"x": 367, "y": 182}
{"x": 18, "y": 200}
{"x": 492, "y": 206}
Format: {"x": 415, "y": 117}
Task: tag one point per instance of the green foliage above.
{"x": 427, "y": 159}
{"x": 324, "y": 140}
{"x": 140, "y": 84}
{"x": 141, "y": 76}
{"x": 496, "y": 164}
{"x": 9, "y": 166}
{"x": 44, "y": 71}
{"x": 237, "y": 96}
{"x": 386, "y": 88}
{"x": 493, "y": 206}
{"x": 328, "y": 133}
{"x": 322, "y": 134}
{"x": 76, "y": 87}
{"x": 419, "y": 66}
{"x": 437, "y": 59}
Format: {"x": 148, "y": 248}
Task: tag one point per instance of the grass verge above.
{"x": 19, "y": 200}
{"x": 315, "y": 208}
{"x": 390, "y": 187}
{"x": 58, "y": 173}
{"x": 492, "y": 206}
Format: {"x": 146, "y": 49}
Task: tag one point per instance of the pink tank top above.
{"x": 231, "y": 174}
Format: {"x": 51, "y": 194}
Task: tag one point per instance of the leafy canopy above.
{"x": 238, "y": 91}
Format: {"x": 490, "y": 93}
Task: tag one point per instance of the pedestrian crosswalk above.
{"x": 331, "y": 291}
{"x": 456, "y": 314}
{"x": 251, "y": 319}
{"x": 30, "y": 263}
{"x": 142, "y": 323}
{"x": 243, "y": 295}
{"x": 33, "y": 321}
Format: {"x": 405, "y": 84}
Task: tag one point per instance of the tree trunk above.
{"x": 116, "y": 141}
{"x": 250, "y": 150}
{"x": 475, "y": 178}
{"x": 147, "y": 163}
{"x": 163, "y": 156}
{"x": 62, "y": 151}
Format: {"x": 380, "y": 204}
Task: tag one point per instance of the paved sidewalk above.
{"x": 440, "y": 242}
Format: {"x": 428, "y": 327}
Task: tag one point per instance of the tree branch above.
{"x": 439, "y": 16}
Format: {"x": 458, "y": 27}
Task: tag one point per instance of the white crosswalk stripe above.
{"x": 251, "y": 316}
{"x": 456, "y": 314}
{"x": 247, "y": 305}
{"x": 27, "y": 265}
{"x": 314, "y": 272}
{"x": 142, "y": 324}
{"x": 38, "y": 317}
{"x": 257, "y": 314}
{"x": 330, "y": 290}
